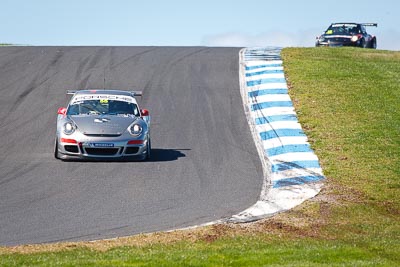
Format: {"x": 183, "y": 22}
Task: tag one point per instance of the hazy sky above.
{"x": 190, "y": 23}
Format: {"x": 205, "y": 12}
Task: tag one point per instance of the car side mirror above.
{"x": 146, "y": 116}
{"x": 145, "y": 113}
{"x": 62, "y": 111}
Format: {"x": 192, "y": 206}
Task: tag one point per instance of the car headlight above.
{"x": 69, "y": 128}
{"x": 354, "y": 38}
{"x": 135, "y": 129}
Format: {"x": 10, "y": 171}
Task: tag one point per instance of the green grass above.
{"x": 348, "y": 102}
{"x": 227, "y": 252}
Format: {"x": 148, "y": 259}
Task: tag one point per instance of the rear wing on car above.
{"x": 370, "y": 24}
{"x": 134, "y": 93}
{"x": 137, "y": 93}
{"x": 71, "y": 92}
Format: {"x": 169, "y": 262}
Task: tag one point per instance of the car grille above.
{"x": 101, "y": 151}
{"x": 72, "y": 149}
{"x": 131, "y": 150}
{"x": 102, "y": 135}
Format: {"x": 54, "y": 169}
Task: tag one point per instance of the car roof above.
{"x": 117, "y": 94}
{"x": 104, "y": 92}
{"x": 342, "y": 23}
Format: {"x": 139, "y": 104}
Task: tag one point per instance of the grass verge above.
{"x": 347, "y": 100}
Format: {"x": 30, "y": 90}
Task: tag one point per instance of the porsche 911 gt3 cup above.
{"x": 348, "y": 34}
{"x": 103, "y": 125}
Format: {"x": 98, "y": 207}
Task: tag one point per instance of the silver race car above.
{"x": 103, "y": 125}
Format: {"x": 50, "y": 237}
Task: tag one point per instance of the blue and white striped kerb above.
{"x": 291, "y": 159}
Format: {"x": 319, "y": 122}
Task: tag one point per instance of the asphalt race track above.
{"x": 204, "y": 167}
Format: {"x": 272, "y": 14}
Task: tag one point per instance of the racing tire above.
{"x": 148, "y": 151}
{"x": 363, "y": 44}
{"x": 373, "y": 43}
{"x": 56, "y": 153}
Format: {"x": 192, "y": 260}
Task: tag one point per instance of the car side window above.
{"x": 363, "y": 30}
{"x": 135, "y": 110}
{"x": 73, "y": 110}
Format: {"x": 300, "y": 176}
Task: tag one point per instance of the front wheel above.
{"x": 373, "y": 43}
{"x": 148, "y": 151}
{"x": 56, "y": 153}
{"x": 363, "y": 44}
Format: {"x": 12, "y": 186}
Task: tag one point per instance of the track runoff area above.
{"x": 292, "y": 173}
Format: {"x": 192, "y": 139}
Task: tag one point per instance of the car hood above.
{"x": 335, "y": 36}
{"x": 103, "y": 125}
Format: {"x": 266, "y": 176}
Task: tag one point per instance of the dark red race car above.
{"x": 348, "y": 34}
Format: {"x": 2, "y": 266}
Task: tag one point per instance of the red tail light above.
{"x": 69, "y": 141}
{"x": 135, "y": 142}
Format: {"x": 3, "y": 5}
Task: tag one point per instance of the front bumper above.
{"x": 337, "y": 42}
{"x": 101, "y": 149}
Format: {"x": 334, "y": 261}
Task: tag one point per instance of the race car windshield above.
{"x": 103, "y": 107}
{"x": 343, "y": 29}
